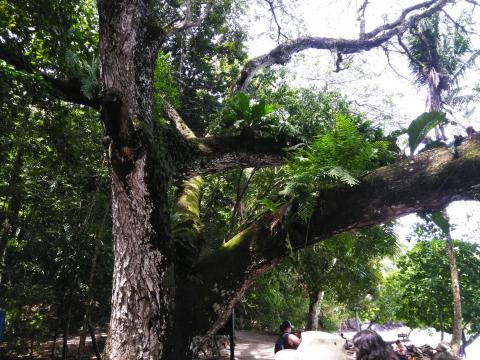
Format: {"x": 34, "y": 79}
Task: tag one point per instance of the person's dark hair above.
{"x": 284, "y": 325}
{"x": 370, "y": 346}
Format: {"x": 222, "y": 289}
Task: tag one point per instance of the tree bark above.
{"x": 442, "y": 326}
{"x": 141, "y": 322}
{"x": 66, "y": 325}
{"x": 94, "y": 342}
{"x": 54, "y": 343}
{"x": 457, "y": 301}
{"x": 314, "y": 307}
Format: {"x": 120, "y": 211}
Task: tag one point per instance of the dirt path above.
{"x": 250, "y": 345}
{"x": 253, "y": 346}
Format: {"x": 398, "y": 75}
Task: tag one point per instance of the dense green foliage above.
{"x": 62, "y": 223}
{"x": 419, "y": 293}
{"x": 54, "y": 202}
{"x": 442, "y": 46}
{"x": 205, "y": 62}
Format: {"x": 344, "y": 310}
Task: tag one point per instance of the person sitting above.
{"x": 287, "y": 340}
{"x": 401, "y": 350}
{"x": 370, "y": 346}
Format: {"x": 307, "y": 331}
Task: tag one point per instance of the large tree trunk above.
{"x": 141, "y": 322}
{"x": 314, "y": 306}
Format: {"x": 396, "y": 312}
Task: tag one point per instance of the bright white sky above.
{"x": 376, "y": 86}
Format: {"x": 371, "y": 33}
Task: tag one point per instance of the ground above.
{"x": 254, "y": 346}
{"x": 249, "y": 345}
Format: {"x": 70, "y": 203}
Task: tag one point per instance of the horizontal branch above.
{"x": 219, "y": 153}
{"x": 426, "y": 183}
{"x": 67, "y": 90}
{"x": 283, "y": 52}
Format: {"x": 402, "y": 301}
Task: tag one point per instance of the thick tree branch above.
{"x": 428, "y": 182}
{"x": 219, "y": 153}
{"x": 177, "y": 122}
{"x": 283, "y": 52}
{"x": 67, "y": 90}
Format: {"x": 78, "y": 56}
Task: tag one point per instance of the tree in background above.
{"x": 341, "y": 267}
{"x": 419, "y": 295}
{"x": 440, "y": 51}
{"x": 55, "y": 260}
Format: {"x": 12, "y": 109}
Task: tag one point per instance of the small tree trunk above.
{"x": 89, "y": 302}
{"x": 32, "y": 342}
{"x": 54, "y": 343}
{"x": 66, "y": 328}
{"x": 314, "y": 306}
{"x": 442, "y": 330}
{"x": 457, "y": 301}
{"x": 83, "y": 335}
{"x": 94, "y": 342}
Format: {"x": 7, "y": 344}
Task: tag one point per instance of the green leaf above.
{"x": 269, "y": 204}
{"x": 420, "y": 127}
{"x": 258, "y": 110}
{"x": 441, "y": 221}
{"x": 269, "y": 108}
{"x": 243, "y": 103}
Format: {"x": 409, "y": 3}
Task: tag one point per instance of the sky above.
{"x": 372, "y": 83}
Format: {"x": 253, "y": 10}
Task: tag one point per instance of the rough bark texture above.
{"x": 215, "y": 154}
{"x": 140, "y": 310}
{"x": 142, "y": 285}
{"x": 457, "y": 302}
{"x": 162, "y": 295}
{"x": 427, "y": 182}
{"x": 314, "y": 307}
